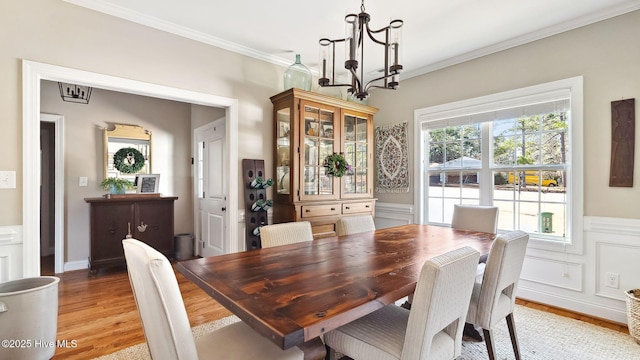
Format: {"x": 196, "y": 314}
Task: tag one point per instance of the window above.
{"x": 516, "y": 150}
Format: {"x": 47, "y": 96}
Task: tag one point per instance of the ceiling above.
{"x": 436, "y": 33}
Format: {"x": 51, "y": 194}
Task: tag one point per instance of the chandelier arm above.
{"x": 370, "y": 33}
{"x": 379, "y": 87}
{"x": 333, "y": 85}
{"x": 355, "y": 78}
{"x": 370, "y": 82}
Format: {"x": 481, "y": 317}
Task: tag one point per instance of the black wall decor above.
{"x": 623, "y": 130}
{"x": 255, "y": 200}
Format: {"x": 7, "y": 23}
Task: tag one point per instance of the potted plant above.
{"x": 116, "y": 185}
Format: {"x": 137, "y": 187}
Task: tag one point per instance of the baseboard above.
{"x": 76, "y": 265}
{"x": 573, "y": 304}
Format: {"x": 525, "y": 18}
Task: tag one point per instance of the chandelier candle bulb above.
{"x": 395, "y": 36}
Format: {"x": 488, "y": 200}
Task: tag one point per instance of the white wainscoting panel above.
{"x": 10, "y": 253}
{"x": 616, "y": 244}
{"x": 552, "y": 272}
{"x": 619, "y": 259}
{"x": 389, "y": 215}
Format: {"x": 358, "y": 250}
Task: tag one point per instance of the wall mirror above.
{"x": 127, "y": 151}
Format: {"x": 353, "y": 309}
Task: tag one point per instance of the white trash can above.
{"x": 29, "y": 318}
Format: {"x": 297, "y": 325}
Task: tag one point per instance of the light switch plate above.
{"x": 7, "y": 179}
{"x": 83, "y": 181}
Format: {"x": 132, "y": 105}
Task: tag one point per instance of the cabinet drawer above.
{"x": 359, "y": 207}
{"x": 322, "y": 231}
{"x": 320, "y": 210}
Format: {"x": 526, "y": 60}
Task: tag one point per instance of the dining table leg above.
{"x": 313, "y": 349}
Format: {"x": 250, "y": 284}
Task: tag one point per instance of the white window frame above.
{"x": 506, "y": 100}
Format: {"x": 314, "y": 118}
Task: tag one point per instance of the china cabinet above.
{"x": 308, "y": 127}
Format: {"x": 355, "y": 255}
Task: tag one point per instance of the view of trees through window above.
{"x": 526, "y": 162}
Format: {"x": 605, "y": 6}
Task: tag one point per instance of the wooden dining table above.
{"x": 293, "y": 294}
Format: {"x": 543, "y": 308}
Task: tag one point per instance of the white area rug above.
{"x": 542, "y": 336}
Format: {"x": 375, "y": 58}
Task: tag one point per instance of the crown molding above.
{"x": 156, "y": 23}
{"x": 524, "y": 39}
{"x": 166, "y": 26}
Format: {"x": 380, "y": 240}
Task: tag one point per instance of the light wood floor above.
{"x": 99, "y": 312}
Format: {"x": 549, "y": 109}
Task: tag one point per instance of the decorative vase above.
{"x": 297, "y": 76}
{"x": 116, "y": 190}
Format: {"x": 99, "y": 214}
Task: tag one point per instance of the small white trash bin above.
{"x": 29, "y": 318}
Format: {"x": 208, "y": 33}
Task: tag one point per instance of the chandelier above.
{"x": 75, "y": 93}
{"x": 356, "y": 26}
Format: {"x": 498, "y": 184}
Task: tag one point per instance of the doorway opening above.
{"x": 33, "y": 73}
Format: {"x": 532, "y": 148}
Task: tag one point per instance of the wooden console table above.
{"x": 146, "y": 218}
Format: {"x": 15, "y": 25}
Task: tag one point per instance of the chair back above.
{"x": 497, "y": 293}
{"x": 355, "y": 224}
{"x": 285, "y": 233}
{"x": 160, "y": 305}
{"x": 440, "y": 305}
{"x": 475, "y": 218}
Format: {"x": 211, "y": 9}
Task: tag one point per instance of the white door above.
{"x": 212, "y": 196}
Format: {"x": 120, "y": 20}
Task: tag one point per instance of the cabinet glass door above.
{"x": 356, "y": 132}
{"x": 283, "y": 143}
{"x": 319, "y": 142}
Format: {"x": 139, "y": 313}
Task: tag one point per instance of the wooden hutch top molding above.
{"x": 325, "y": 99}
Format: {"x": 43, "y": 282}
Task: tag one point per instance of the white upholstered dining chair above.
{"x": 165, "y": 322}
{"x": 472, "y": 218}
{"x": 475, "y": 218}
{"x": 493, "y": 299}
{"x": 355, "y": 224}
{"x": 285, "y": 233}
{"x": 431, "y": 330}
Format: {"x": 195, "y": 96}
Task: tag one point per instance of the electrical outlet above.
{"x": 612, "y": 280}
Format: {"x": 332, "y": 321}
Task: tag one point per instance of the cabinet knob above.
{"x": 142, "y": 227}
{"x": 307, "y": 210}
{"x": 346, "y": 207}
{"x": 224, "y": 208}
{"x": 333, "y": 209}
{"x": 367, "y": 206}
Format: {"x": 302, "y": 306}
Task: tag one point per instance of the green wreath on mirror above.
{"x": 128, "y": 160}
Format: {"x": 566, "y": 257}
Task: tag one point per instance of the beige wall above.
{"x": 168, "y": 121}
{"x": 55, "y": 32}
{"x": 606, "y": 54}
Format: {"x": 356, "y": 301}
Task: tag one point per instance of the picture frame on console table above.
{"x": 147, "y": 183}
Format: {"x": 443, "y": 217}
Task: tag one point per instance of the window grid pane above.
{"x": 529, "y": 157}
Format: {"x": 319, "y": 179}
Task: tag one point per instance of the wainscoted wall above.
{"x": 577, "y": 282}
{"x": 388, "y": 215}
{"x": 10, "y": 252}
